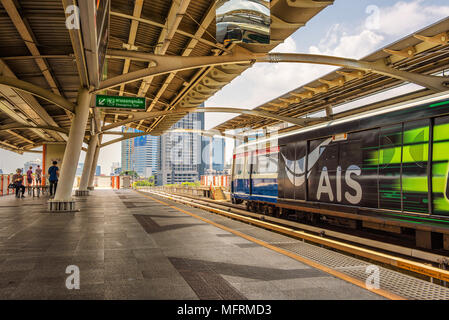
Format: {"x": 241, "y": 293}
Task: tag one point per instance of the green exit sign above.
{"x": 102, "y": 101}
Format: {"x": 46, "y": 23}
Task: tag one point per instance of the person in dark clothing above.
{"x": 53, "y": 173}
{"x": 17, "y": 179}
{"x": 30, "y": 176}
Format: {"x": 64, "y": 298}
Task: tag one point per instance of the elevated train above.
{"x": 389, "y": 163}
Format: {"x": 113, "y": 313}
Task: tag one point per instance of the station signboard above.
{"x": 119, "y": 102}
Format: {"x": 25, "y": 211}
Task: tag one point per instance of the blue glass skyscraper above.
{"x": 140, "y": 154}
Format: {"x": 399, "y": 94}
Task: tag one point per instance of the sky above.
{"x": 350, "y": 29}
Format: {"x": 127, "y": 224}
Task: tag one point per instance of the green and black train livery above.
{"x": 394, "y": 159}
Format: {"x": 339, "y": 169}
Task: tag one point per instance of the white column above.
{"x": 93, "y": 169}
{"x": 88, "y": 163}
{"x": 73, "y": 148}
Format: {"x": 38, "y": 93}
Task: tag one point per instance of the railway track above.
{"x": 413, "y": 262}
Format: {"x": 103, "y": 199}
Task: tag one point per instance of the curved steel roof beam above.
{"x": 431, "y": 82}
{"x": 137, "y": 116}
{"x": 167, "y": 64}
{"x": 38, "y": 91}
{"x": 18, "y": 126}
{"x": 21, "y": 126}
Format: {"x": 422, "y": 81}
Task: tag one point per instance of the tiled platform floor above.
{"x": 130, "y": 247}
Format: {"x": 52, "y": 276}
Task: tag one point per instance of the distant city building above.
{"x": 145, "y": 155}
{"x": 181, "y": 152}
{"x": 179, "y": 155}
{"x": 127, "y": 150}
{"x": 1, "y": 171}
{"x": 79, "y": 169}
{"x": 114, "y": 168}
{"x": 214, "y": 155}
{"x": 140, "y": 154}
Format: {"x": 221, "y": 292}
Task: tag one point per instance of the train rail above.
{"x": 414, "y": 262}
{"x": 391, "y": 284}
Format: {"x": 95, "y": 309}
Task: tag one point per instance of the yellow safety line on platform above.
{"x": 395, "y": 261}
{"x": 294, "y": 256}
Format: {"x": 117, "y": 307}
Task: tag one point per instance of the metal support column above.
{"x": 63, "y": 198}
{"x": 88, "y": 164}
{"x": 93, "y": 169}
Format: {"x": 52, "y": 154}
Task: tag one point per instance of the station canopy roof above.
{"x": 37, "y": 47}
{"x": 425, "y": 52}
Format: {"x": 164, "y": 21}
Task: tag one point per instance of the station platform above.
{"x": 132, "y": 246}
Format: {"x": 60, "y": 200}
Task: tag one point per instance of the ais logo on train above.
{"x": 325, "y": 187}
{"x": 391, "y": 159}
{"x": 332, "y": 181}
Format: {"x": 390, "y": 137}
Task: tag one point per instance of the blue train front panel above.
{"x": 255, "y": 175}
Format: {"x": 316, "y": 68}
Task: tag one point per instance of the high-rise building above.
{"x": 181, "y": 151}
{"x": 214, "y": 155}
{"x": 140, "y": 154}
{"x": 179, "y": 155}
{"x": 79, "y": 169}
{"x": 146, "y": 155}
{"x": 127, "y": 150}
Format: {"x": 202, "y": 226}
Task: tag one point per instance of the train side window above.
{"x": 414, "y": 166}
{"x": 390, "y": 154}
{"x": 330, "y": 157}
{"x": 440, "y": 166}
{"x": 255, "y": 162}
{"x": 350, "y": 153}
{"x": 265, "y": 163}
{"x": 250, "y": 161}
{"x": 239, "y": 160}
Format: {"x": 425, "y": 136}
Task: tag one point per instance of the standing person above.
{"x": 30, "y": 176}
{"x": 53, "y": 172}
{"x": 38, "y": 175}
{"x": 17, "y": 179}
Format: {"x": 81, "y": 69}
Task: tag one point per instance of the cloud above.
{"x": 406, "y": 17}
{"x": 264, "y": 82}
{"x": 383, "y": 25}
{"x": 349, "y": 45}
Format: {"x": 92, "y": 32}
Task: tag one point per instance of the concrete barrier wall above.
{"x": 193, "y": 191}
{"x": 102, "y": 182}
{"x": 107, "y": 182}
